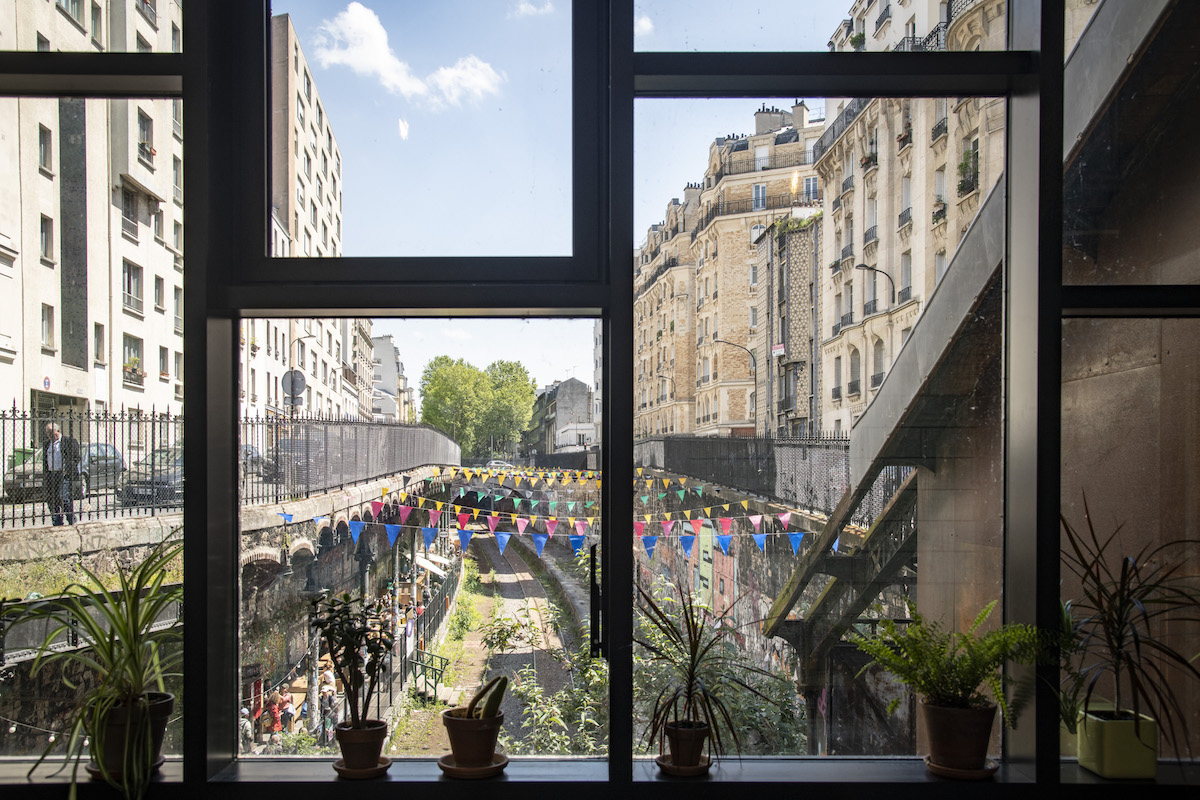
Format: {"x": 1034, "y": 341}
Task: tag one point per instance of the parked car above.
{"x": 299, "y": 459}
{"x": 253, "y": 461}
{"x": 100, "y": 467}
{"x": 156, "y": 480}
{"x": 496, "y": 465}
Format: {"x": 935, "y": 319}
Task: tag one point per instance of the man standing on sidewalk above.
{"x": 61, "y": 459}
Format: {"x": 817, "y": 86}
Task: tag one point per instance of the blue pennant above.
{"x": 760, "y": 539}
{"x": 724, "y": 539}
{"x": 796, "y": 539}
{"x": 464, "y": 538}
{"x": 502, "y": 539}
{"x": 576, "y": 543}
{"x": 356, "y": 528}
{"x": 539, "y": 541}
{"x": 687, "y": 542}
{"x": 835, "y": 543}
{"x": 648, "y": 542}
{"x": 429, "y": 534}
{"x": 392, "y": 532}
{"x": 286, "y": 517}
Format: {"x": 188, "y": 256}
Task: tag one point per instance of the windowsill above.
{"x": 47, "y": 172}
{"x": 48, "y": 262}
{"x": 133, "y": 312}
{"x": 160, "y": 309}
{"x": 49, "y": 350}
{"x": 145, "y": 162}
{"x": 129, "y": 237}
{"x": 142, "y": 13}
{"x": 75, "y": 22}
{"x": 276, "y": 771}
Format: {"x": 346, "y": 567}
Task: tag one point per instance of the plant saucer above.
{"x": 452, "y": 770}
{"x": 664, "y": 763}
{"x": 989, "y": 768}
{"x": 93, "y": 769}
{"x": 362, "y": 774}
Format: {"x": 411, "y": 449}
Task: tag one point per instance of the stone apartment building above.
{"x": 693, "y": 281}
{"x": 91, "y": 223}
{"x": 393, "y": 397}
{"x": 906, "y": 178}
{"x": 562, "y": 419}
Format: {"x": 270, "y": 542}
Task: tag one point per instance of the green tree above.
{"x": 455, "y": 397}
{"x": 511, "y": 406}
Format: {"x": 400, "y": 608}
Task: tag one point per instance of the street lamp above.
{"x": 884, "y": 274}
{"x": 753, "y": 373}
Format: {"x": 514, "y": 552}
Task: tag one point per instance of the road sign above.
{"x": 293, "y": 401}
{"x": 293, "y": 382}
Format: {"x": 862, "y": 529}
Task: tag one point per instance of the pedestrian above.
{"x": 61, "y": 462}
{"x": 329, "y": 715}
{"x": 274, "y": 724}
{"x": 287, "y": 711}
{"x": 245, "y": 732}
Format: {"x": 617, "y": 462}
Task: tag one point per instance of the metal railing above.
{"x": 847, "y": 184}
{"x": 883, "y": 17}
{"x": 848, "y": 251}
{"x": 876, "y": 380}
{"x": 904, "y": 295}
{"x": 749, "y": 204}
{"x": 905, "y": 217}
{"x": 129, "y": 227}
{"x": 939, "y": 129}
{"x": 853, "y": 387}
{"x": 148, "y": 10}
{"x": 870, "y": 307}
{"x": 843, "y": 121}
{"x": 836, "y": 392}
{"x": 939, "y": 214}
{"x": 786, "y": 404}
{"x": 145, "y": 152}
{"x": 131, "y": 301}
{"x": 837, "y": 204}
{"x": 871, "y": 234}
{"x": 847, "y": 319}
{"x": 837, "y": 328}
{"x": 748, "y": 163}
{"x": 904, "y": 139}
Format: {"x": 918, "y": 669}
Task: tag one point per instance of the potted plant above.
{"x": 121, "y": 716}
{"x": 691, "y": 707}
{"x": 960, "y": 678}
{"x": 1123, "y": 645}
{"x": 473, "y": 730}
{"x": 858, "y": 40}
{"x": 869, "y": 160}
{"x": 358, "y": 647}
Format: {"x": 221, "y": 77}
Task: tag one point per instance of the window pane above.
{"x": 813, "y": 25}
{"x": 768, "y": 326}
{"x": 379, "y": 487}
{"x": 400, "y": 120}
{"x": 88, "y": 26}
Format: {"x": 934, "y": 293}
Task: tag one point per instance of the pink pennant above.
{"x": 697, "y": 524}
{"x": 551, "y": 524}
{"x": 435, "y": 519}
{"x": 580, "y": 527}
{"x": 666, "y": 523}
{"x": 376, "y": 505}
{"x": 493, "y": 521}
{"x": 756, "y": 520}
{"x": 785, "y": 518}
{"x": 404, "y": 512}
{"x": 638, "y": 526}
{"x": 462, "y": 520}
{"x": 725, "y": 523}
{"x": 521, "y": 523}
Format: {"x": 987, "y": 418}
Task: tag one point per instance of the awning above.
{"x": 429, "y": 565}
{"x": 437, "y": 559}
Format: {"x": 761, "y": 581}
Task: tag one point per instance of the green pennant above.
{"x": 699, "y": 490}
{"x": 553, "y": 503}
{"x": 533, "y": 504}
{"x": 571, "y": 506}
{"x": 589, "y": 504}
{"x": 499, "y": 497}
{"x": 680, "y": 493}
{"x": 645, "y": 499}
{"x": 661, "y": 495}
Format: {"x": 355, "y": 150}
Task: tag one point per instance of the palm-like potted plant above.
{"x": 1120, "y": 642}
{"x": 960, "y": 678}
{"x": 358, "y": 647}
{"x": 122, "y": 714}
{"x": 691, "y": 708}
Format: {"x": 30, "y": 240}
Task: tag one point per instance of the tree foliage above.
{"x": 480, "y": 409}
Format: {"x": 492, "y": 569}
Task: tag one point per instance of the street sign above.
{"x": 293, "y": 401}
{"x": 293, "y": 382}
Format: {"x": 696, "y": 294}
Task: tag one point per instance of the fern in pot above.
{"x": 961, "y": 679}
{"x": 121, "y": 717}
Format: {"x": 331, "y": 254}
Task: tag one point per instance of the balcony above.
{"x": 905, "y": 217}
{"x": 836, "y": 393}
{"x": 837, "y": 328}
{"x": 132, "y": 302}
{"x": 853, "y": 388}
{"x": 905, "y": 295}
{"x": 968, "y": 184}
{"x": 869, "y": 162}
{"x": 847, "y": 319}
{"x": 843, "y": 121}
{"x": 939, "y": 213}
{"x": 939, "y": 129}
{"x": 133, "y": 377}
{"x": 871, "y": 235}
{"x": 129, "y": 227}
{"x": 147, "y": 10}
{"x": 749, "y": 163}
{"x": 837, "y": 204}
{"x": 847, "y": 184}
{"x": 883, "y": 17}
{"x": 836, "y": 266}
{"x": 870, "y": 307}
{"x": 876, "y": 379}
{"x": 904, "y": 139}
{"x": 146, "y": 152}
{"x": 848, "y": 252}
{"x": 749, "y": 204}
{"x": 786, "y": 404}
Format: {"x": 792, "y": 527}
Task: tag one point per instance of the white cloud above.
{"x": 356, "y": 38}
{"x": 403, "y": 129}
{"x": 527, "y": 9}
{"x": 456, "y": 333}
{"x": 643, "y": 26}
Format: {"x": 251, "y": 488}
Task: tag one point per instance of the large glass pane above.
{"x": 93, "y": 26}
{"x": 91, "y": 371}
{"x": 796, "y": 341}
{"x": 390, "y": 121}
{"x": 446, "y": 471}
{"x": 814, "y": 25}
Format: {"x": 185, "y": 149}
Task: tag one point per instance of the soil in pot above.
{"x": 472, "y": 739}
{"x": 958, "y": 737}
{"x": 361, "y": 746}
{"x": 116, "y": 730}
{"x": 686, "y": 741}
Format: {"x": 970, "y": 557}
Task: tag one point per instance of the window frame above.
{"x": 227, "y": 40}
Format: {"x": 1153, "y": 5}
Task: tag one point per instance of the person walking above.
{"x": 60, "y": 455}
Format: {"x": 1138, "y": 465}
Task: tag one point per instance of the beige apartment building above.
{"x": 696, "y": 286}
{"x": 906, "y": 178}
{"x": 91, "y": 223}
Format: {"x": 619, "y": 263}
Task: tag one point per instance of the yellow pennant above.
{"x": 688, "y": 514}
{"x": 683, "y": 481}
{"x": 647, "y": 516}
{"x": 474, "y": 513}
{"x": 708, "y": 511}
{"x": 404, "y": 495}
{"x": 532, "y": 519}
{"x": 571, "y": 521}
{"x": 385, "y": 491}
{"x": 666, "y": 482}
{"x": 640, "y": 471}
{"x": 438, "y": 504}
{"x": 437, "y": 471}
{"x": 746, "y": 504}
{"x": 589, "y": 519}
{"x": 597, "y": 485}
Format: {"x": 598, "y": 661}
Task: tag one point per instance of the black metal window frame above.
{"x": 229, "y": 276}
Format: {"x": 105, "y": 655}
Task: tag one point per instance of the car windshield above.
{"x": 33, "y": 462}
{"x": 164, "y": 455}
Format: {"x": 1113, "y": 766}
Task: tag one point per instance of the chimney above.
{"x": 800, "y": 115}
{"x": 767, "y": 119}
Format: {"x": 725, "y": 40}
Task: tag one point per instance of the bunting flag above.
{"x": 725, "y": 523}
{"x": 429, "y": 534}
{"x": 723, "y": 540}
{"x": 576, "y": 543}
{"x": 785, "y": 518}
{"x": 404, "y": 512}
{"x": 539, "y": 541}
{"x": 686, "y": 542}
{"x": 464, "y": 539}
{"x": 376, "y": 507}
{"x": 708, "y": 511}
{"x": 697, "y": 524}
{"x": 795, "y": 538}
{"x": 571, "y": 505}
{"x": 521, "y": 523}
{"x": 533, "y": 519}
{"x": 320, "y": 521}
{"x": 667, "y": 527}
{"x": 756, "y": 521}
{"x": 661, "y": 495}
{"x": 462, "y": 520}
{"x": 746, "y": 504}
{"x": 385, "y": 491}
{"x": 688, "y": 513}
{"x": 435, "y": 519}
{"x": 438, "y": 505}
{"x": 681, "y": 492}
{"x": 648, "y": 542}
{"x": 835, "y": 543}
{"x": 502, "y": 540}
{"x": 553, "y": 503}
{"x": 580, "y": 527}
{"x": 760, "y": 539}
{"x": 286, "y": 517}
{"x": 639, "y": 470}
{"x": 493, "y": 521}
{"x": 356, "y": 527}
{"x": 645, "y": 499}
{"x": 589, "y": 504}
{"x": 392, "y": 532}
{"x": 551, "y": 524}
{"x": 638, "y": 527}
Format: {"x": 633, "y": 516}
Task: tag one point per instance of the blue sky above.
{"x": 454, "y": 122}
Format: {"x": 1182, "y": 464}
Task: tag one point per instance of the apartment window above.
{"x": 299, "y": 112}
{"x": 906, "y": 270}
{"x": 754, "y": 274}
{"x": 43, "y": 44}
{"x": 177, "y": 117}
{"x": 99, "y": 350}
{"x": 129, "y": 210}
{"x": 299, "y": 193}
{"x": 939, "y": 185}
{"x": 307, "y": 86}
{"x": 177, "y": 179}
{"x": 45, "y": 149}
{"x": 97, "y": 24}
{"x": 811, "y": 188}
{"x": 131, "y": 352}
{"x": 131, "y": 275}
{"x": 176, "y": 39}
{"x": 157, "y": 221}
{"x": 47, "y": 327}
{"x": 760, "y": 196}
{"x": 72, "y": 8}
{"x": 142, "y": 46}
{"x": 164, "y": 362}
{"x": 308, "y": 165}
{"x": 145, "y": 146}
{"x": 46, "y": 239}
{"x": 312, "y": 213}
{"x": 177, "y": 237}
{"x": 178, "y": 298}
{"x": 160, "y": 294}
{"x": 178, "y": 365}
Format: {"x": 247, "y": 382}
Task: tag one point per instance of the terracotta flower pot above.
{"x": 958, "y": 737}
{"x": 361, "y": 746}
{"x": 472, "y": 740}
{"x": 116, "y": 732}
{"x": 686, "y": 741}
